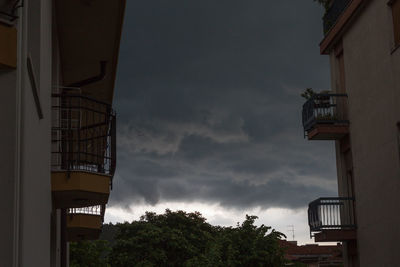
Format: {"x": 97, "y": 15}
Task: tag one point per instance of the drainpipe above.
{"x": 103, "y": 65}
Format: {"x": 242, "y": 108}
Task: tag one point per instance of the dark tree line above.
{"x": 180, "y": 239}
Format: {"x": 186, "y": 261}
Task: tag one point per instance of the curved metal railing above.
{"x": 83, "y": 134}
{"x": 324, "y": 109}
{"x": 8, "y": 11}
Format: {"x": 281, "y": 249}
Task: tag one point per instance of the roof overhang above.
{"x": 89, "y": 32}
{"x": 340, "y": 26}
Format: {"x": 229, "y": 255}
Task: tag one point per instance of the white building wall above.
{"x": 373, "y": 88}
{"x": 35, "y": 145}
{"x": 25, "y": 189}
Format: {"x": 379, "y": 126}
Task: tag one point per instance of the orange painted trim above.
{"x": 336, "y": 131}
{"x": 8, "y": 47}
{"x": 339, "y": 26}
{"x": 335, "y": 235}
{"x": 84, "y": 221}
{"x": 79, "y": 180}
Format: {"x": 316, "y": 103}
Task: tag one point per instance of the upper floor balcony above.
{"x": 84, "y": 223}
{"x": 325, "y": 117}
{"x": 332, "y": 219}
{"x": 335, "y": 10}
{"x": 83, "y": 150}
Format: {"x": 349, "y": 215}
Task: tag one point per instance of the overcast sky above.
{"x": 209, "y": 111}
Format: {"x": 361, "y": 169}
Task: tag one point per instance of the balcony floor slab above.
{"x": 335, "y": 235}
{"x": 328, "y": 132}
{"x": 79, "y": 189}
{"x": 83, "y": 227}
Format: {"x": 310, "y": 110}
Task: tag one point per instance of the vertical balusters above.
{"x": 331, "y": 213}
{"x": 83, "y": 134}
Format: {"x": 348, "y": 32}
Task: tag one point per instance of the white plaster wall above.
{"x": 35, "y": 145}
{"x": 340, "y": 161}
{"x": 340, "y": 168}
{"x": 372, "y": 81}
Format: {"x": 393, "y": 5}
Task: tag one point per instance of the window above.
{"x": 395, "y": 4}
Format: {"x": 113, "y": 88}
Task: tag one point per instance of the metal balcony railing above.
{"x": 93, "y": 210}
{"x": 8, "y": 11}
{"x": 333, "y": 13}
{"x": 331, "y": 213}
{"x": 83, "y": 134}
{"x": 324, "y": 109}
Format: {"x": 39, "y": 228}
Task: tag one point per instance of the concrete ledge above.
{"x": 79, "y": 189}
{"x": 80, "y": 180}
{"x": 328, "y": 132}
{"x": 335, "y": 235}
{"x": 83, "y": 227}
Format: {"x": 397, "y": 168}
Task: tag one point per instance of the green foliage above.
{"x": 171, "y": 239}
{"x": 308, "y": 93}
{"x": 89, "y": 253}
{"x": 324, "y": 3}
{"x": 186, "y": 239}
{"x": 249, "y": 245}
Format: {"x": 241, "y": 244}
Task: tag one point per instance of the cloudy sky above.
{"x": 209, "y": 111}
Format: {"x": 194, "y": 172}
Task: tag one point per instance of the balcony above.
{"x": 333, "y": 13}
{"x": 83, "y": 151}
{"x": 332, "y": 219}
{"x": 84, "y": 223}
{"x": 325, "y": 117}
{"x": 90, "y": 33}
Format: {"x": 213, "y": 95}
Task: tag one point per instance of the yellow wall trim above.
{"x": 81, "y": 181}
{"x": 8, "y": 47}
{"x": 84, "y": 221}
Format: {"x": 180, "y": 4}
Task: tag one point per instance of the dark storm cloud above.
{"x": 209, "y": 107}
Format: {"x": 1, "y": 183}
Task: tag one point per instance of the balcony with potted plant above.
{"x": 324, "y": 116}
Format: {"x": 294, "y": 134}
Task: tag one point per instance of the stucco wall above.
{"x": 340, "y": 168}
{"x": 35, "y": 147}
{"x": 372, "y": 83}
{"x": 31, "y": 160}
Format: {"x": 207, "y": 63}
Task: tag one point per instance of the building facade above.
{"x": 58, "y": 62}
{"x": 362, "y": 115}
{"x": 312, "y": 255}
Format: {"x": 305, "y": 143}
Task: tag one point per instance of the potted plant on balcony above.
{"x": 325, "y": 3}
{"x": 321, "y": 105}
{"x": 323, "y": 99}
{"x": 308, "y": 93}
